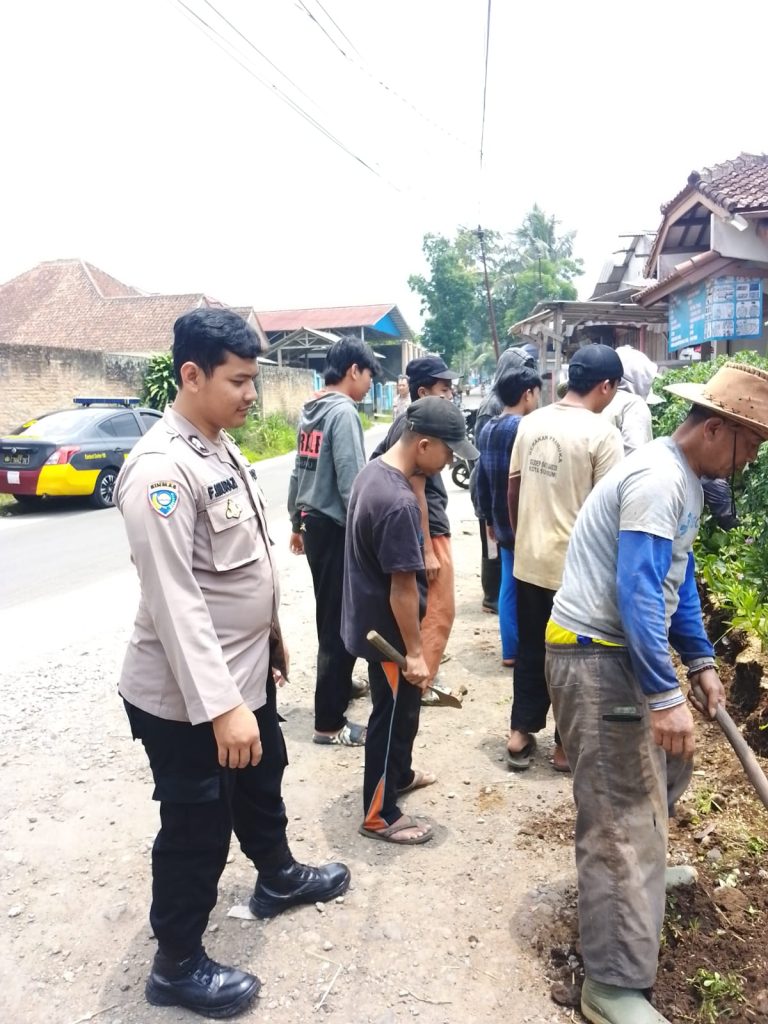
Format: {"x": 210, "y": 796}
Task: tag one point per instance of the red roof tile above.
{"x": 71, "y": 304}
{"x": 738, "y": 185}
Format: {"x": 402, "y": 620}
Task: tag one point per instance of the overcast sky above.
{"x": 132, "y": 140}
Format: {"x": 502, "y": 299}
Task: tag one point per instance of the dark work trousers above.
{"x": 392, "y": 730}
{"x": 201, "y": 804}
{"x": 324, "y": 547}
{"x": 530, "y": 701}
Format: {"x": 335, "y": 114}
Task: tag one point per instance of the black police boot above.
{"x": 201, "y": 985}
{"x": 490, "y": 578}
{"x": 295, "y": 884}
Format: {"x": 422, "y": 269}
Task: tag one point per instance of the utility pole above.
{"x": 491, "y": 314}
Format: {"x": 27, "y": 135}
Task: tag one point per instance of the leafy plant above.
{"x": 756, "y": 846}
{"x": 714, "y": 988}
{"x": 705, "y": 801}
{"x": 159, "y": 387}
{"x": 733, "y": 565}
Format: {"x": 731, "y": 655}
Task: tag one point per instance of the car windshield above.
{"x": 58, "y": 425}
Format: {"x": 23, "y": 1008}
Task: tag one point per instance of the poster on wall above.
{"x": 716, "y": 310}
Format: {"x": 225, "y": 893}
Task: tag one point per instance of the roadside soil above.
{"x": 478, "y": 925}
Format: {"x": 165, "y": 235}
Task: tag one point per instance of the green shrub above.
{"x": 159, "y": 388}
{"x": 263, "y": 439}
{"x": 733, "y": 565}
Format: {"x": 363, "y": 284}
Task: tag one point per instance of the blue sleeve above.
{"x": 642, "y": 566}
{"x": 686, "y": 631}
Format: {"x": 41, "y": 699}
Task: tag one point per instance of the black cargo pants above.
{"x": 201, "y": 803}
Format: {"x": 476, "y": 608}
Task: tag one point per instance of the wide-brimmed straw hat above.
{"x": 736, "y": 392}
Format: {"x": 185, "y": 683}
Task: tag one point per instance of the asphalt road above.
{"x": 67, "y": 546}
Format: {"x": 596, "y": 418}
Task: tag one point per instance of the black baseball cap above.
{"x": 427, "y": 368}
{"x": 594, "y": 363}
{"x": 437, "y": 417}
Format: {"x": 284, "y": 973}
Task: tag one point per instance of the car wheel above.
{"x": 104, "y": 489}
{"x": 29, "y": 500}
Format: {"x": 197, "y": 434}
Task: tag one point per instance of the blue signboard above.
{"x": 716, "y": 310}
{"x": 686, "y": 317}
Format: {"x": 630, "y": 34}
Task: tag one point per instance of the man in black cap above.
{"x": 560, "y": 453}
{"x": 429, "y": 376}
{"x": 385, "y": 589}
{"x": 512, "y": 362}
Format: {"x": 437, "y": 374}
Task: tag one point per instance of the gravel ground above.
{"x": 440, "y": 932}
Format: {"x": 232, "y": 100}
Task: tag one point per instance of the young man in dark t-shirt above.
{"x": 385, "y": 589}
{"x": 429, "y": 376}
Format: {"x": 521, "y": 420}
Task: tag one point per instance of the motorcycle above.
{"x": 462, "y": 468}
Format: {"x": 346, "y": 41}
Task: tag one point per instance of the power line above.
{"x": 256, "y": 49}
{"x": 214, "y": 35}
{"x": 485, "y": 80}
{"x": 374, "y": 78}
{"x": 338, "y": 28}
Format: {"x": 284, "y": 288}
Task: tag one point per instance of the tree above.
{"x": 448, "y": 296}
{"x": 539, "y": 281}
{"x": 533, "y": 263}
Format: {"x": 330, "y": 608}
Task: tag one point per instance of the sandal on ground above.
{"x": 508, "y": 662}
{"x": 351, "y": 735}
{"x": 360, "y": 688}
{"x": 390, "y": 833}
{"x": 520, "y": 760}
{"x": 420, "y": 780}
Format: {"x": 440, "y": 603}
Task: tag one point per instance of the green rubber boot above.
{"x": 609, "y": 1004}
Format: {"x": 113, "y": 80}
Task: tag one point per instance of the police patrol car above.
{"x": 74, "y": 451}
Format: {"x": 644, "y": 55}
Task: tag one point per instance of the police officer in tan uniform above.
{"x": 200, "y": 674}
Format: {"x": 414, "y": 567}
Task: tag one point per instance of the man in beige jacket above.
{"x": 200, "y": 674}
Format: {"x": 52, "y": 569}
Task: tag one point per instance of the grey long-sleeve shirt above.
{"x": 330, "y": 454}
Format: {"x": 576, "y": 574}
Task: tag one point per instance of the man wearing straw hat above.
{"x": 628, "y": 592}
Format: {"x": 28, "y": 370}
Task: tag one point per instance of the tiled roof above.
{"x": 738, "y": 185}
{"x": 71, "y": 304}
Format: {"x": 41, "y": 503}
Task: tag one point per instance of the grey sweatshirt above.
{"x": 330, "y": 455}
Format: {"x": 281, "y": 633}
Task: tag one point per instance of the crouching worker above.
{"x": 201, "y": 668}
{"x": 629, "y": 591}
{"x": 385, "y": 589}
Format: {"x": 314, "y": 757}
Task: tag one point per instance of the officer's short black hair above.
{"x": 205, "y": 336}
{"x": 510, "y": 389}
{"x": 346, "y": 352}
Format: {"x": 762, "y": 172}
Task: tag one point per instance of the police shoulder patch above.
{"x": 163, "y": 497}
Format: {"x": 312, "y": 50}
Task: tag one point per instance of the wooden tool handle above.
{"x": 749, "y": 762}
{"x": 386, "y": 648}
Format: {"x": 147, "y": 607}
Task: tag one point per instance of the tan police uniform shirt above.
{"x": 198, "y": 537}
{"x": 560, "y": 453}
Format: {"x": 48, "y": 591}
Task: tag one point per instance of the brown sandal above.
{"x": 388, "y": 834}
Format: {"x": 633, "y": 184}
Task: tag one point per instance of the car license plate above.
{"x": 16, "y": 459}
{"x": 14, "y": 477}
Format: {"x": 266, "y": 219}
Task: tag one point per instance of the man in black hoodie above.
{"x": 329, "y": 457}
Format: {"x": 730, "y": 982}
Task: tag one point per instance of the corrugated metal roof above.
{"x": 331, "y": 318}
{"x": 591, "y": 314}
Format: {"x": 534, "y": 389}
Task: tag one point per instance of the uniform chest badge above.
{"x": 163, "y": 497}
{"x": 233, "y": 510}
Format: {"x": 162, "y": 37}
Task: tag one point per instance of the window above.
{"x": 123, "y": 425}
{"x": 149, "y": 419}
